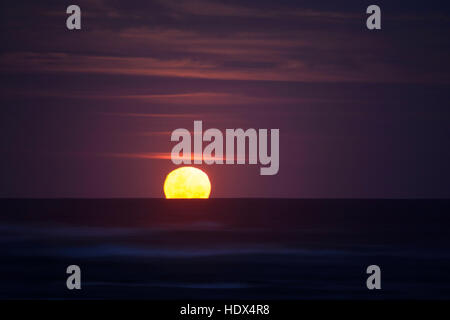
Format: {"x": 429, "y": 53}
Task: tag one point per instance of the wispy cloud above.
{"x": 197, "y": 98}
{"x": 225, "y": 9}
{"x": 170, "y": 48}
{"x": 167, "y": 156}
{"x": 289, "y": 70}
{"x": 151, "y": 115}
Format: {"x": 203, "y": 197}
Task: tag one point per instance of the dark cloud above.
{"x": 361, "y": 114}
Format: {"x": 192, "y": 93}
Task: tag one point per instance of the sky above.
{"x": 362, "y": 114}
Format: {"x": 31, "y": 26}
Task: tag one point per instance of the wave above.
{"x": 111, "y": 250}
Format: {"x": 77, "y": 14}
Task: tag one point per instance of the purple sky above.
{"x": 361, "y": 114}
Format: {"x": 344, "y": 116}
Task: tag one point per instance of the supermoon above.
{"x": 187, "y": 183}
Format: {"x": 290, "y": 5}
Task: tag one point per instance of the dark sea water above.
{"x": 225, "y": 248}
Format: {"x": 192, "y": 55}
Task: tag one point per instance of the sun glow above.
{"x": 187, "y": 183}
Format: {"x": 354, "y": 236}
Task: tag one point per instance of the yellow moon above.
{"x": 187, "y": 183}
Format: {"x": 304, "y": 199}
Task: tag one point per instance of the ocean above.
{"x": 224, "y": 248}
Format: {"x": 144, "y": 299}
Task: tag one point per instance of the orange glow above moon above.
{"x": 187, "y": 183}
